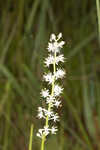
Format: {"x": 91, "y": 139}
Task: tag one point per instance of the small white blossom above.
{"x": 50, "y": 99}
{"x": 49, "y": 60}
{"x": 45, "y": 93}
{"x": 54, "y": 45}
{"x": 55, "y": 118}
{"x": 57, "y": 103}
{"x": 54, "y": 130}
{"x": 60, "y": 58}
{"x": 59, "y": 73}
{"x": 40, "y": 115}
{"x": 48, "y": 78}
{"x": 57, "y": 90}
{"x": 46, "y": 130}
{"x": 49, "y": 113}
{"x": 43, "y": 113}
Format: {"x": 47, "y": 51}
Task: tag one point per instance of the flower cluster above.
{"x": 52, "y": 97}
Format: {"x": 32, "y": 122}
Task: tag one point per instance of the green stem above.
{"x": 31, "y": 136}
{"x": 98, "y": 16}
{"x": 42, "y": 143}
{"x": 50, "y": 104}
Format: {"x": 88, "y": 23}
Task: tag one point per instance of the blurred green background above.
{"x": 25, "y": 27}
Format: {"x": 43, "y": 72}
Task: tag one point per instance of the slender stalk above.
{"x": 42, "y": 143}
{"x": 31, "y": 136}
{"x": 98, "y": 16}
{"x": 50, "y": 104}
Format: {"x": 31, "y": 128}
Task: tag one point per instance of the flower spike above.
{"x": 52, "y": 96}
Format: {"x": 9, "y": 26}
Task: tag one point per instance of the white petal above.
{"x": 59, "y": 36}
{"x": 52, "y": 37}
{"x": 61, "y": 44}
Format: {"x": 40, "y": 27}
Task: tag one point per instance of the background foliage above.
{"x": 25, "y": 27}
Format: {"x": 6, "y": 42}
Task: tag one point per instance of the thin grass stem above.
{"x": 98, "y": 16}
{"x": 31, "y": 137}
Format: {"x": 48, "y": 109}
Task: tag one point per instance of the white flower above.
{"x": 42, "y": 132}
{"x": 43, "y": 113}
{"x": 48, "y": 113}
{"x": 40, "y": 115}
{"x": 57, "y": 90}
{"x": 49, "y": 78}
{"x": 59, "y": 73}
{"x": 54, "y": 45}
{"x": 59, "y": 58}
{"x": 57, "y": 103}
{"x": 54, "y": 130}
{"x": 49, "y": 60}
{"x": 50, "y": 99}
{"x": 55, "y": 117}
{"x": 46, "y": 130}
{"x": 45, "y": 93}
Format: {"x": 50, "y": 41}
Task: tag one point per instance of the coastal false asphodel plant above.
{"x": 51, "y": 96}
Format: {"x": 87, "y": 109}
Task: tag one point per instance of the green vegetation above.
{"x": 25, "y": 27}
